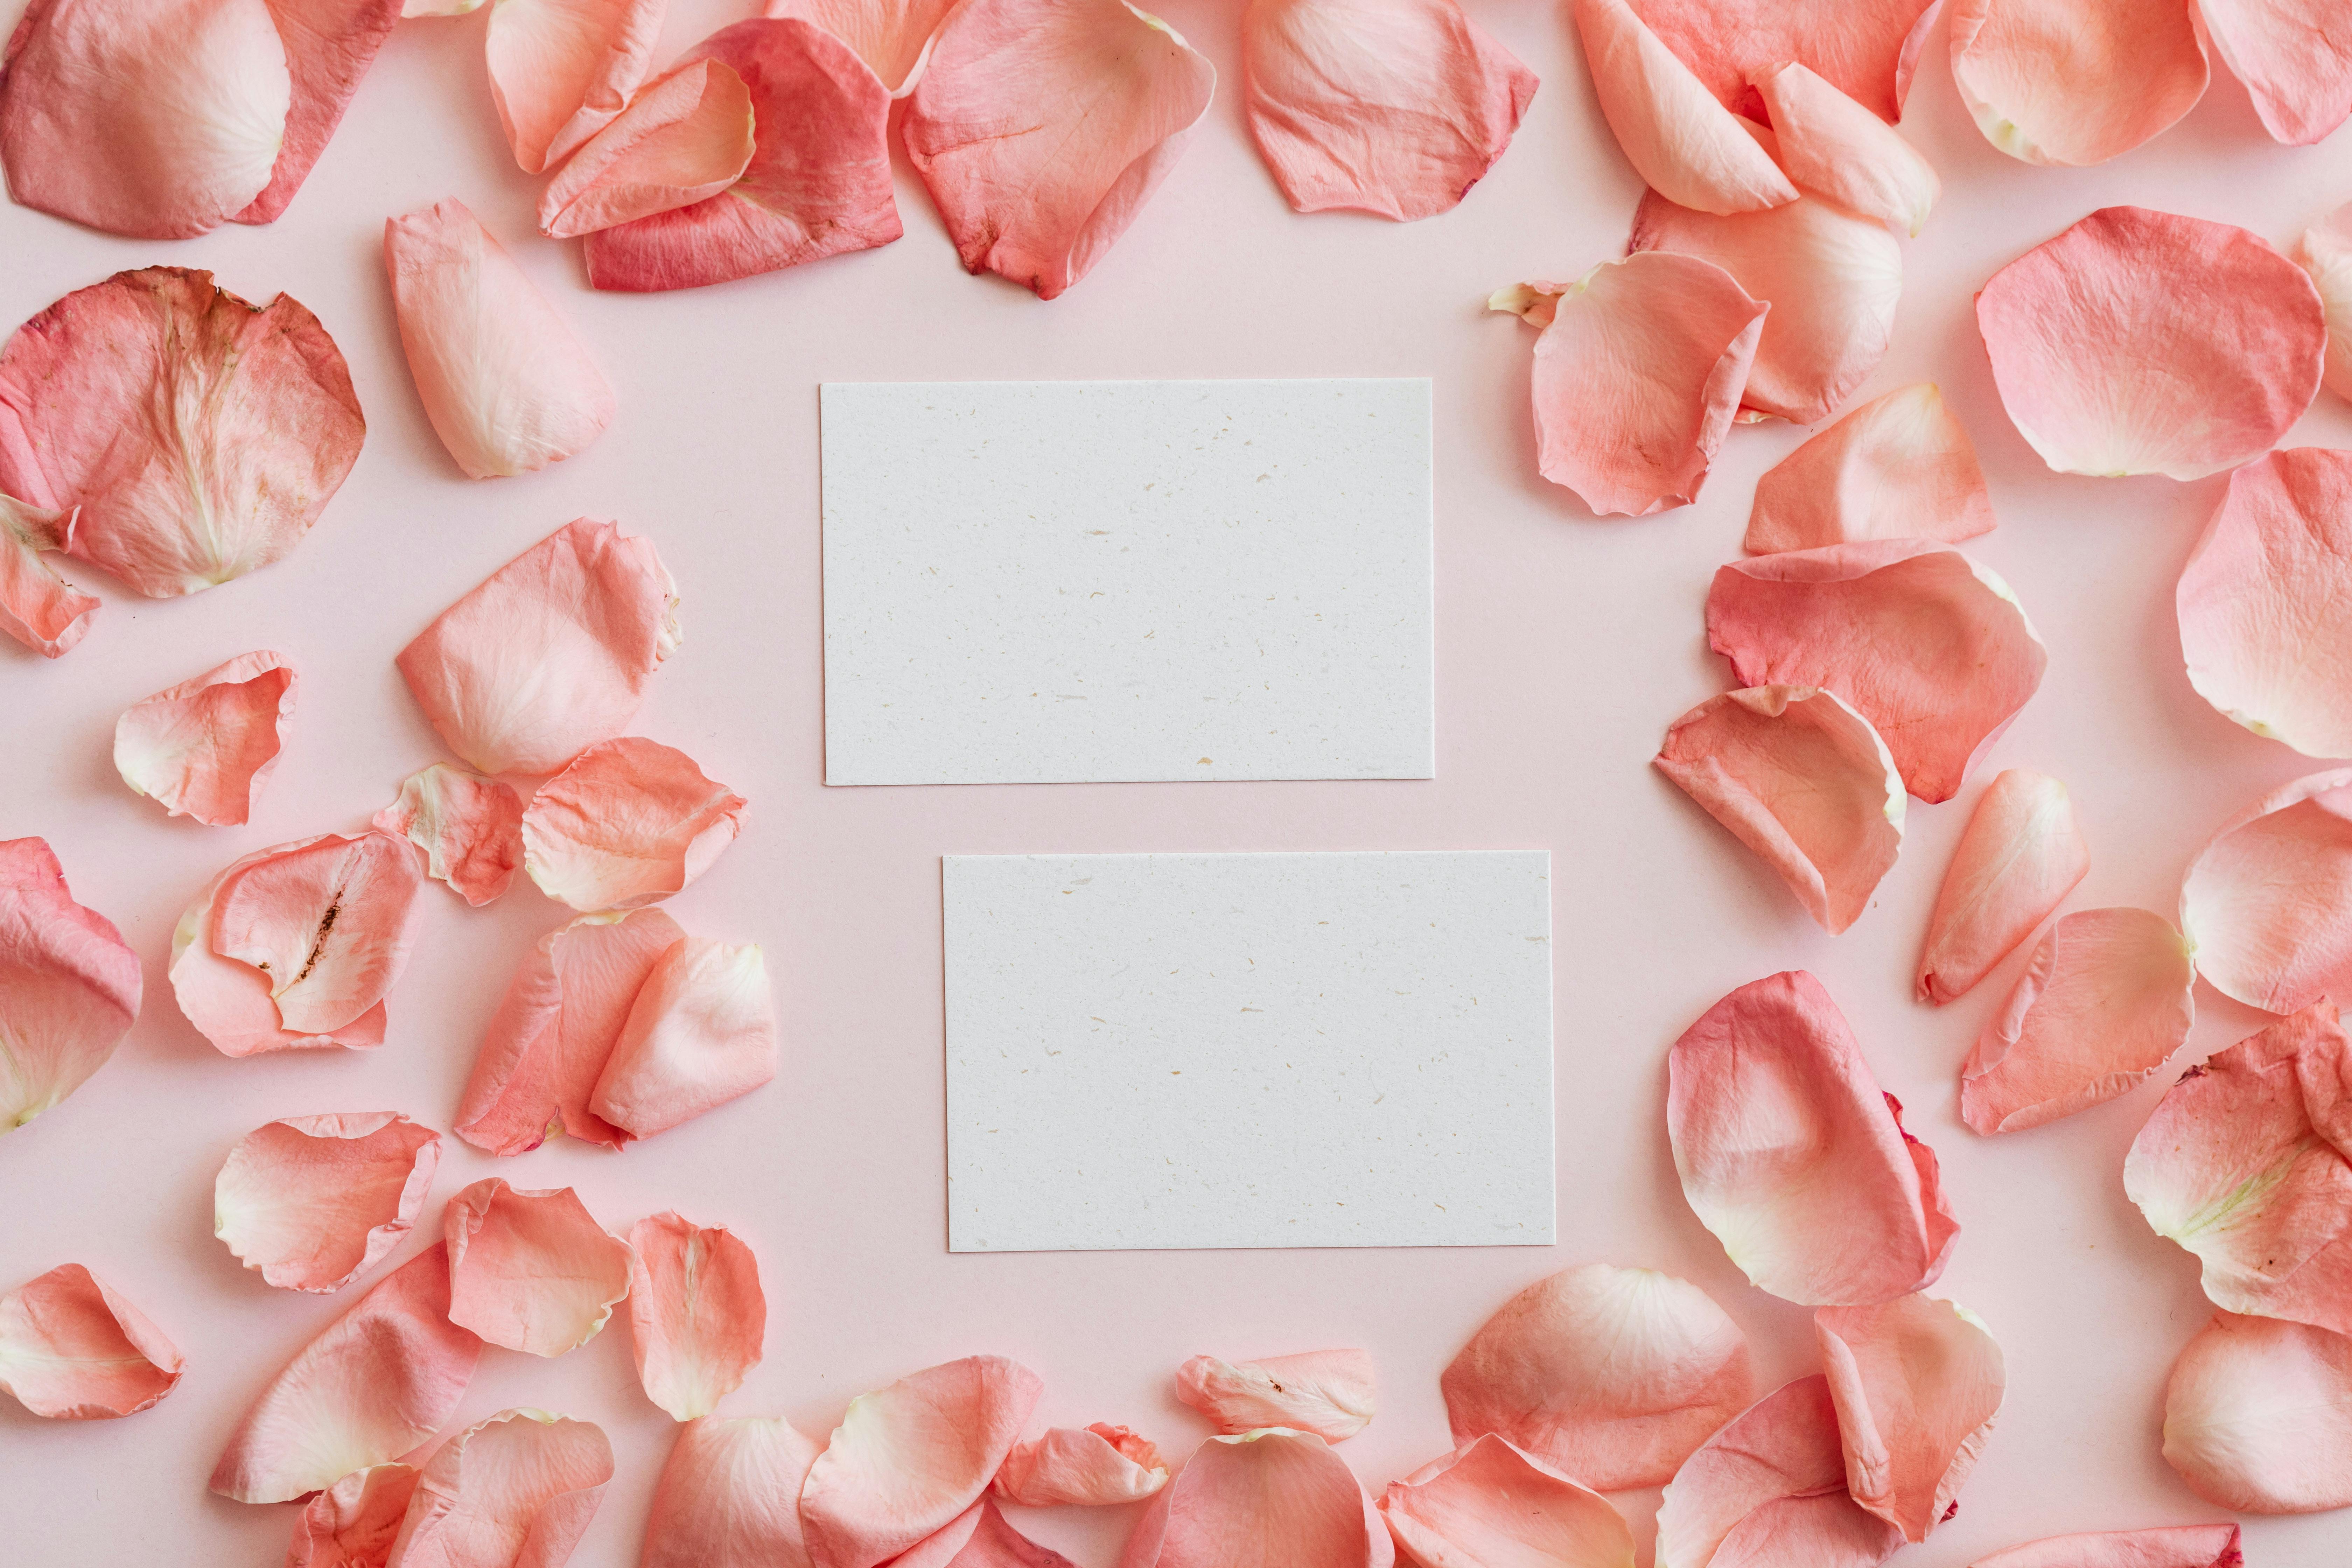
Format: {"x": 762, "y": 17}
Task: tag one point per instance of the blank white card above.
{"x": 1249, "y": 1050}
{"x": 1089, "y": 582}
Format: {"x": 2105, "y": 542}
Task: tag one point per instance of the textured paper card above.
{"x": 1249, "y": 1050}
{"x": 1087, "y": 582}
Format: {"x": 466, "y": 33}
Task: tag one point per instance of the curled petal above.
{"x": 1916, "y": 1382}
{"x": 683, "y": 139}
{"x": 2142, "y": 342}
{"x": 203, "y": 747}
{"x": 2075, "y": 81}
{"x": 1835, "y": 148}
{"x": 980, "y": 1538}
{"x": 729, "y": 1496}
{"x": 1610, "y": 1376}
{"x": 2020, "y": 857}
{"x": 1042, "y": 127}
{"x": 2294, "y": 57}
{"x": 2325, "y": 253}
{"x": 1769, "y": 1488}
{"x": 1490, "y": 1505}
{"x": 328, "y": 923}
{"x": 1865, "y": 48}
{"x": 893, "y": 37}
{"x": 37, "y": 607}
{"x": 2174, "y": 1546}
{"x": 330, "y": 44}
{"x": 1333, "y": 1394}
{"x": 561, "y": 71}
{"x": 229, "y": 1001}
{"x": 628, "y": 823}
{"x": 514, "y": 1491}
{"x": 70, "y": 986}
{"x": 1899, "y": 466}
{"x": 353, "y": 1523}
{"x": 701, "y": 1032}
{"x": 1687, "y": 146}
{"x": 696, "y": 1311}
{"x": 531, "y": 1270}
{"x": 2258, "y": 1415}
{"x": 313, "y": 1202}
{"x": 1088, "y": 1465}
{"x": 470, "y": 829}
{"x": 2265, "y": 904}
{"x": 72, "y": 1350}
{"x": 1273, "y": 1499}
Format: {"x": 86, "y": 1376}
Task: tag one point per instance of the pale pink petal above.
{"x": 1609, "y": 1375}
{"x": 2172, "y": 1546}
{"x": 1835, "y": 148}
{"x": 729, "y": 1494}
{"x": 470, "y": 828}
{"x": 508, "y": 387}
{"x": 382, "y": 1379}
{"x": 1928, "y": 646}
{"x": 70, "y": 986}
{"x": 1899, "y": 466}
{"x": 628, "y": 823}
{"x": 2267, "y": 905}
{"x": 229, "y": 1001}
{"x": 1487, "y": 1505}
{"x": 330, "y": 44}
{"x": 1088, "y": 1465}
{"x": 37, "y": 607}
{"x": 328, "y": 923}
{"x": 1803, "y": 781}
{"x": 701, "y": 1032}
{"x": 1865, "y": 48}
{"x": 2258, "y": 1417}
{"x": 353, "y": 1523}
{"x": 2075, "y": 81}
{"x": 267, "y": 426}
{"x": 561, "y": 71}
{"x": 531, "y": 1270}
{"x": 1792, "y": 1155}
{"x": 980, "y": 1538}
{"x": 1917, "y": 1383}
{"x": 1637, "y": 376}
{"x": 908, "y": 1460}
{"x": 1683, "y": 144}
{"x": 1274, "y": 1499}
{"x": 313, "y": 1202}
{"x": 72, "y": 1350}
{"x": 696, "y": 1311}
{"x": 1770, "y": 1489}
{"x": 683, "y": 139}
{"x": 204, "y": 748}
{"x": 1333, "y": 1394}
{"x": 1042, "y": 127}
{"x": 515, "y": 1492}
{"x": 2141, "y": 342}
{"x": 2245, "y": 1164}
{"x": 158, "y": 120}
{"x": 440, "y": 7}
{"x": 893, "y": 37}
{"x": 2020, "y": 857}
{"x": 2294, "y": 57}
{"x": 2325, "y": 253}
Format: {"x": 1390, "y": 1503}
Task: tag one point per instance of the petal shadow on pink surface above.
{"x": 1683, "y": 143}
{"x": 205, "y": 747}
{"x": 514, "y": 1491}
{"x": 470, "y": 829}
{"x": 561, "y": 71}
{"x": 2267, "y": 904}
{"x": 1333, "y": 1394}
{"x": 70, "y": 986}
{"x": 728, "y": 1495}
{"x": 2167, "y": 1546}
{"x": 686, "y": 138}
{"x": 1867, "y": 49}
{"x": 697, "y": 1314}
{"x": 1271, "y": 1498}
{"x": 2075, "y": 81}
{"x": 72, "y": 1350}
{"x": 37, "y": 607}
{"x": 1091, "y": 1467}
{"x": 1770, "y": 1487}
{"x": 311, "y": 1203}
{"x": 1488, "y": 1503}
{"x": 2019, "y": 857}
{"x": 1899, "y": 466}
{"x": 1916, "y": 1382}
{"x": 626, "y": 824}
{"x": 531, "y": 1270}
{"x": 2258, "y": 1415}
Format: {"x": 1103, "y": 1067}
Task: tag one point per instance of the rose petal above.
{"x": 893, "y": 37}
{"x": 204, "y": 748}
{"x": 37, "y": 607}
{"x": 72, "y": 1350}
{"x": 266, "y": 428}
{"x": 1609, "y": 1375}
{"x": 329, "y": 922}
{"x": 1088, "y": 1465}
{"x": 313, "y": 1202}
{"x": 1041, "y": 127}
{"x": 628, "y": 823}
{"x": 2258, "y": 1417}
{"x": 1792, "y": 1155}
{"x": 980, "y": 1538}
{"x": 1928, "y": 646}
{"x": 531, "y": 1270}
{"x": 1333, "y": 1394}
{"x": 1769, "y": 1488}
{"x": 729, "y": 1496}
{"x": 440, "y": 7}
{"x": 2141, "y": 342}
{"x": 908, "y": 1460}
{"x": 470, "y": 828}
{"x": 379, "y": 1381}
{"x": 330, "y": 44}
{"x": 1899, "y": 466}
{"x": 159, "y": 120}
{"x": 561, "y": 71}
{"x": 1490, "y": 1505}
{"x": 1273, "y": 1499}
{"x": 1376, "y": 106}
{"x": 2265, "y": 904}
{"x": 2075, "y": 81}
{"x": 701, "y": 1032}
{"x": 353, "y": 1524}
{"x": 1865, "y": 48}
{"x": 1917, "y": 1381}
{"x": 2293, "y": 57}
{"x": 2176, "y": 1546}
{"x": 2020, "y": 857}
{"x": 2325, "y": 253}
{"x": 1683, "y": 144}
{"x": 1835, "y": 148}
{"x": 229, "y": 1001}
{"x": 696, "y": 1313}
{"x": 515, "y": 1492}
{"x": 681, "y": 141}
{"x": 70, "y": 986}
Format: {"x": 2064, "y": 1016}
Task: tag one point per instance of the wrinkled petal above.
{"x": 1768, "y": 1489}
{"x": 2142, "y": 342}
{"x": 1928, "y": 646}
{"x": 628, "y": 823}
{"x": 470, "y": 828}
{"x": 204, "y": 748}
{"x": 531, "y": 1270}
{"x": 515, "y": 1492}
{"x": 729, "y": 1496}
{"x": 1273, "y": 1499}
{"x": 1487, "y": 1505}
{"x": 328, "y": 923}
{"x": 330, "y": 44}
{"x": 980, "y": 1538}
{"x": 908, "y": 1460}
{"x": 2325, "y": 253}
{"x": 1637, "y": 376}
{"x": 2258, "y": 1417}
{"x": 893, "y": 37}
{"x": 2020, "y": 857}
{"x": 1899, "y": 466}
{"x": 1687, "y": 146}
{"x": 2173, "y": 1546}
{"x": 701, "y": 1032}
{"x": 1042, "y": 127}
{"x": 70, "y": 986}
{"x": 72, "y": 1350}
{"x": 229, "y": 1001}
{"x": 158, "y": 120}
{"x": 1835, "y": 148}
{"x": 1610, "y": 1376}
{"x": 696, "y": 1311}
{"x": 1865, "y": 48}
{"x": 37, "y": 607}
{"x": 561, "y": 71}
{"x": 1388, "y": 108}
{"x": 2075, "y": 81}
{"x": 681, "y": 141}
{"x": 2267, "y": 905}
{"x": 265, "y": 426}
{"x": 1088, "y": 1465}
{"x": 2294, "y": 57}
{"x": 1916, "y": 1382}
{"x": 1333, "y": 1394}
{"x": 353, "y": 1523}
{"x": 382, "y": 1379}
{"x": 313, "y": 1202}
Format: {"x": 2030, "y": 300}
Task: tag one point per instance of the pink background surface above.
{"x": 1566, "y": 645}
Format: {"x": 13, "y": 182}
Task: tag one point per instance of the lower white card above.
{"x": 1249, "y": 1050}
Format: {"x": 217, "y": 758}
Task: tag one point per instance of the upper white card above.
{"x": 1249, "y": 1050}
{"x": 1087, "y": 582}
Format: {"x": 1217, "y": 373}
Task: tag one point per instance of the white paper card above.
{"x": 1249, "y": 1050}
{"x": 1087, "y": 581}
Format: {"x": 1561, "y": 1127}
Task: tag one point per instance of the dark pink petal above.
{"x": 69, "y": 986}
{"x": 1899, "y": 466}
{"x": 353, "y": 1523}
{"x": 2267, "y": 905}
{"x": 229, "y": 1001}
{"x": 729, "y": 1497}
{"x": 980, "y": 1538}
{"x": 470, "y": 829}
{"x": 1490, "y": 1505}
{"x": 1087, "y": 1466}
{"x": 628, "y": 823}
{"x": 1333, "y": 1394}
{"x": 561, "y": 71}
{"x": 1261, "y": 1499}
{"x": 2174, "y": 1546}
{"x": 531, "y": 1270}
{"x": 37, "y": 607}
{"x": 683, "y": 139}
{"x": 696, "y": 1311}
{"x": 892, "y": 36}
{"x": 2258, "y": 1417}
{"x": 2075, "y": 81}
{"x": 2020, "y": 857}
{"x": 1835, "y": 148}
{"x": 205, "y": 747}
{"x": 1768, "y": 1490}
{"x": 1865, "y": 48}
{"x": 701, "y": 1032}
{"x": 313, "y": 1202}
{"x": 329, "y": 924}
{"x": 2294, "y": 57}
{"x": 1683, "y": 143}
{"x": 1916, "y": 1382}
{"x": 515, "y": 1492}
{"x": 72, "y": 1350}
{"x": 330, "y": 44}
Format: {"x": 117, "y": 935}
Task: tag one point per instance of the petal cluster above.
{"x": 626, "y": 824}
{"x": 531, "y": 1270}
{"x": 686, "y": 138}
{"x": 1899, "y": 466}
{"x": 1770, "y": 1487}
{"x": 1916, "y": 1382}
{"x": 1333, "y": 1394}
{"x": 313, "y": 1202}
{"x": 203, "y": 747}
{"x": 1685, "y": 145}
{"x": 696, "y": 1311}
{"x": 2019, "y": 857}
{"x": 561, "y": 71}
{"x": 72, "y": 1350}
{"x": 1865, "y": 48}
{"x": 70, "y": 986}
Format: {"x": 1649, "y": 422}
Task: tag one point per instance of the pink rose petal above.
{"x": 2020, "y": 857}
{"x": 1770, "y": 1489}
{"x": 1865, "y": 48}
{"x": 561, "y": 71}
{"x": 531, "y": 1270}
{"x": 1685, "y": 145}
{"x": 2267, "y": 905}
{"x": 72, "y": 1350}
{"x": 353, "y": 1523}
{"x": 2174, "y": 1546}
{"x": 70, "y": 986}
{"x": 1609, "y": 1375}
{"x": 1273, "y": 1499}
{"x": 980, "y": 1538}
{"x": 696, "y": 1313}
{"x": 330, "y": 44}
{"x": 1087, "y": 1466}
{"x": 229, "y": 1001}
{"x": 683, "y": 139}
{"x": 2075, "y": 81}
{"x": 893, "y": 37}
{"x": 701, "y": 1032}
{"x": 470, "y": 829}
{"x": 628, "y": 823}
{"x": 313, "y": 1202}
{"x": 328, "y": 923}
{"x": 729, "y": 1497}
{"x": 515, "y": 1492}
{"x": 204, "y": 748}
{"x": 2325, "y": 253}
{"x": 2258, "y": 1417}
{"x": 1042, "y": 127}
{"x": 37, "y": 607}
{"x": 1835, "y": 148}
{"x": 1333, "y": 1394}
{"x": 1916, "y": 1382}
{"x": 1899, "y": 466}
{"x": 2141, "y": 342}
{"x": 2294, "y": 57}
{"x": 1490, "y": 1505}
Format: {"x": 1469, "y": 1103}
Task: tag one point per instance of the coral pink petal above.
{"x": 1835, "y": 148}
{"x": 1769, "y": 1488}
{"x": 1928, "y": 646}
{"x": 696, "y": 1311}
{"x": 1333, "y": 1394}
{"x": 2267, "y": 905}
{"x": 1916, "y": 1382}
{"x": 908, "y": 1460}
{"x": 313, "y": 1202}
{"x": 1273, "y": 1499}
{"x": 2258, "y": 1417}
{"x": 266, "y": 428}
{"x": 1394, "y": 108}
{"x": 980, "y": 1538}
{"x": 470, "y": 829}
{"x": 531, "y": 1270}
{"x": 1685, "y": 145}
{"x": 1043, "y": 126}
{"x": 37, "y": 607}
{"x": 1491, "y": 1506}
{"x": 2294, "y": 57}
{"x": 353, "y": 1523}
{"x": 382, "y": 1379}
{"x": 628, "y": 823}
{"x": 2142, "y": 342}
{"x": 892, "y": 36}
{"x": 2075, "y": 81}
{"x": 330, "y": 44}
{"x": 203, "y": 748}
{"x": 2325, "y": 253}
{"x": 701, "y": 1032}
{"x": 562, "y": 70}
{"x": 2172, "y": 1546}
{"x": 329, "y": 924}
{"x": 681, "y": 141}
{"x": 229, "y": 1001}
{"x": 2020, "y": 857}
{"x": 1087, "y": 1466}
{"x": 1609, "y": 1375}
{"x": 70, "y": 986}
{"x": 515, "y": 1492}
{"x": 72, "y": 1350}
{"x": 729, "y": 1497}
{"x": 1899, "y": 466}
{"x": 1865, "y": 48}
